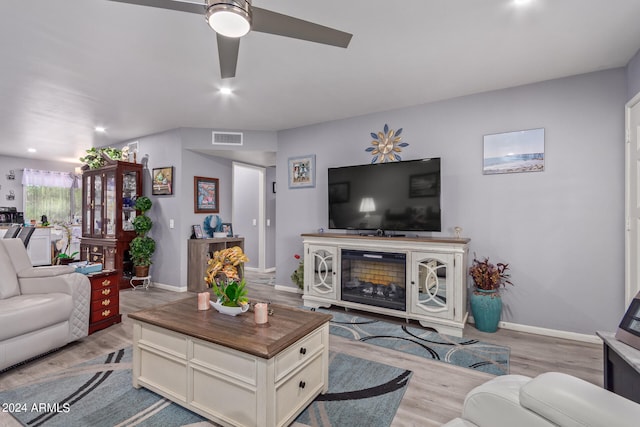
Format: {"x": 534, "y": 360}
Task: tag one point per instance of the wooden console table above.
{"x": 199, "y": 252}
{"x": 621, "y": 367}
{"x": 228, "y": 369}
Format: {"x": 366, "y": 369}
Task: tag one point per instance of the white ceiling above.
{"x": 69, "y": 65}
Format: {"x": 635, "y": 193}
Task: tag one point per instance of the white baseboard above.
{"x": 555, "y": 333}
{"x": 168, "y": 287}
{"x": 288, "y": 289}
{"x": 258, "y": 270}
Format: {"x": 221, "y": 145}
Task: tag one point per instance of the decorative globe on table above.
{"x": 222, "y": 276}
{"x": 485, "y": 300}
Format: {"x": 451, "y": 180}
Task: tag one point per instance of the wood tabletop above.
{"x": 286, "y": 325}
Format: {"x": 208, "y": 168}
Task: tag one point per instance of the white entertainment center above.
{"x": 416, "y": 278}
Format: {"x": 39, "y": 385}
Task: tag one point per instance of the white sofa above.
{"x": 550, "y": 399}
{"x": 41, "y": 308}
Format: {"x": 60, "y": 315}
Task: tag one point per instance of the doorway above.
{"x": 632, "y": 199}
{"x": 253, "y": 214}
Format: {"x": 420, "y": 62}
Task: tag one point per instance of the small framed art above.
{"x": 227, "y": 228}
{"x": 205, "y": 195}
{"x": 162, "y": 181}
{"x": 197, "y": 231}
{"x": 302, "y": 171}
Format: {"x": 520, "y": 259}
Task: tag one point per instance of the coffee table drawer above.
{"x": 234, "y": 364}
{"x": 295, "y": 392}
{"x": 298, "y": 353}
{"x": 171, "y": 342}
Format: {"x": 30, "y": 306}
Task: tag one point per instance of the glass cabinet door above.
{"x": 129, "y": 193}
{"x": 432, "y": 284}
{"x": 97, "y": 206}
{"x": 110, "y": 204}
{"x": 87, "y": 220}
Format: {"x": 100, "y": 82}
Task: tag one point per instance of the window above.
{"x": 54, "y": 194}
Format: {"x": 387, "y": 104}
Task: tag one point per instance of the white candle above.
{"x": 203, "y": 301}
{"x": 261, "y": 313}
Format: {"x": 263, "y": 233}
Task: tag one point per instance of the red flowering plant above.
{"x": 487, "y": 276}
{"x": 298, "y": 275}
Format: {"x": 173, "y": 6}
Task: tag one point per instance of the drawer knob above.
{"x": 106, "y": 302}
{"x": 106, "y": 291}
{"x": 106, "y": 313}
{"x": 302, "y": 384}
{"x": 106, "y": 282}
{"x": 303, "y": 350}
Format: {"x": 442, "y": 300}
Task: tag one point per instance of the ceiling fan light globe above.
{"x": 229, "y": 19}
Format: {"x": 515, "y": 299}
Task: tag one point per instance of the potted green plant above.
{"x": 298, "y": 274}
{"x": 64, "y": 257}
{"x": 222, "y": 276}
{"x": 485, "y": 300}
{"x": 142, "y": 247}
{"x": 97, "y": 157}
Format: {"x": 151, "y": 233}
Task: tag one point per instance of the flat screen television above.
{"x": 395, "y": 196}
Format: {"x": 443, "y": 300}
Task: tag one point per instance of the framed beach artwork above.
{"x": 162, "y": 184}
{"x": 205, "y": 195}
{"x": 302, "y": 171}
{"x": 512, "y": 152}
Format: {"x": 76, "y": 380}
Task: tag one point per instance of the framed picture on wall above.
{"x": 302, "y": 171}
{"x": 205, "y": 195}
{"x": 227, "y": 228}
{"x": 513, "y": 152}
{"x": 162, "y": 184}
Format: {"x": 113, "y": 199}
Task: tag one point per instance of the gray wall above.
{"x": 185, "y": 149}
{"x": 633, "y": 76}
{"x": 561, "y": 230}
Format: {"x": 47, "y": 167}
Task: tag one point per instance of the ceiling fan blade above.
{"x": 266, "y": 21}
{"x": 169, "y": 4}
{"x": 228, "y": 55}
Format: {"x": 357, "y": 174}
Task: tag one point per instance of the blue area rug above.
{"x": 99, "y": 393}
{"x": 468, "y": 353}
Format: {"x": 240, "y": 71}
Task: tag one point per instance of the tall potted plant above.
{"x": 142, "y": 246}
{"x": 486, "y": 302}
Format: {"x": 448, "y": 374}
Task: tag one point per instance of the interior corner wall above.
{"x": 633, "y": 76}
{"x": 560, "y": 230}
{"x": 159, "y": 151}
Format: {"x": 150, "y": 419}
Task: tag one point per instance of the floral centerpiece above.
{"x": 298, "y": 274}
{"x": 487, "y": 276}
{"x": 222, "y": 276}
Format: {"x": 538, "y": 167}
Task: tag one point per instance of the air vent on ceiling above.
{"x": 227, "y": 138}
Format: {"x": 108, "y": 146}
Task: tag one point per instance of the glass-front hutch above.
{"x": 108, "y": 198}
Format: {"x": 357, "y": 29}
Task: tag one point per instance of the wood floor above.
{"x": 436, "y": 390}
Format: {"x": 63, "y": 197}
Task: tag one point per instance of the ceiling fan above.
{"x": 232, "y": 19}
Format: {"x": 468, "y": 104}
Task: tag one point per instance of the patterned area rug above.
{"x": 468, "y": 353}
{"x": 99, "y": 393}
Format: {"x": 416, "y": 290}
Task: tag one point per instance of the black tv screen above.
{"x": 396, "y": 196}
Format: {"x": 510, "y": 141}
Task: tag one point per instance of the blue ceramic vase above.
{"x": 486, "y": 307}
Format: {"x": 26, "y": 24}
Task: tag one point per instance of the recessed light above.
{"x": 31, "y": 150}
{"x": 100, "y": 129}
{"x": 225, "y": 90}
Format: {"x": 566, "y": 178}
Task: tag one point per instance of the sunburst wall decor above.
{"x": 386, "y": 145}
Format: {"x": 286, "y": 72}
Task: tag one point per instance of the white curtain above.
{"x": 47, "y": 178}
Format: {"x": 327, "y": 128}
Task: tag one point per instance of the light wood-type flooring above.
{"x": 436, "y": 390}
